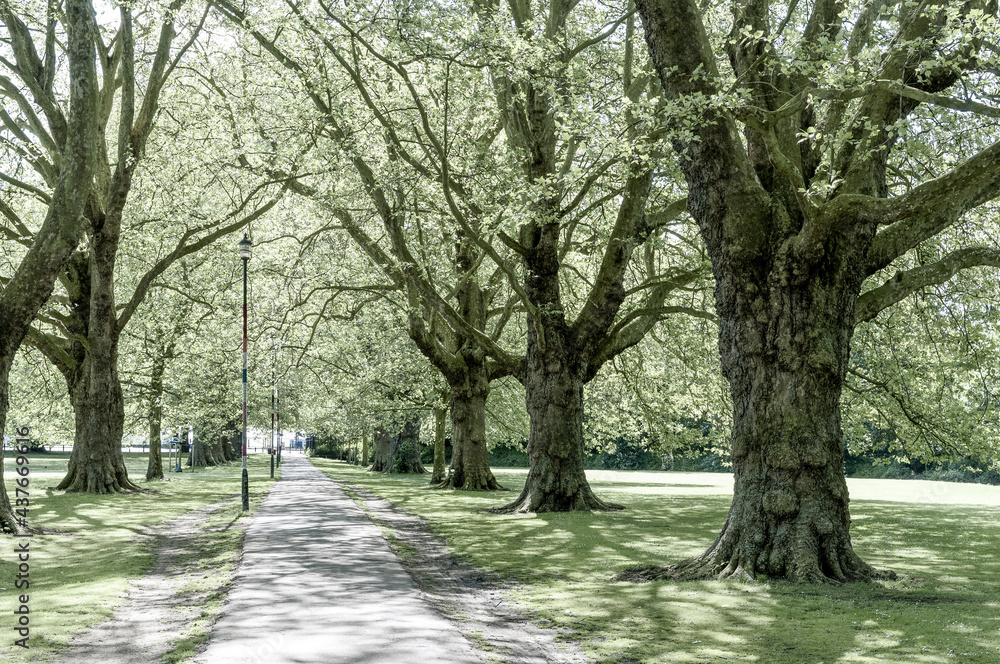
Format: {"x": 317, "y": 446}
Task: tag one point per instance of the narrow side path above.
{"x": 319, "y": 584}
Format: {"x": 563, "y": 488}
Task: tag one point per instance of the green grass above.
{"x": 946, "y": 539}
{"x": 79, "y": 574}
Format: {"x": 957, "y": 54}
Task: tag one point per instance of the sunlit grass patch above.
{"x": 94, "y": 545}
{"x": 944, "y": 609}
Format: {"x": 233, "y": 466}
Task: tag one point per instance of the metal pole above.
{"x": 270, "y": 443}
{"x": 246, "y": 477}
{"x": 278, "y": 420}
{"x": 177, "y": 456}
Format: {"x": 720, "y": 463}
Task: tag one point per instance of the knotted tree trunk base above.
{"x": 815, "y": 557}
{"x": 536, "y": 498}
{"x": 8, "y": 521}
{"x": 470, "y": 482}
{"x": 106, "y": 476}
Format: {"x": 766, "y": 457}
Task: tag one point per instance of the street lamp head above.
{"x": 244, "y": 246}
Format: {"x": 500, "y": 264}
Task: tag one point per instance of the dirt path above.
{"x": 463, "y": 593}
{"x": 156, "y": 610}
{"x": 160, "y": 607}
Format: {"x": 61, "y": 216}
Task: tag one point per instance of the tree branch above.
{"x": 903, "y": 283}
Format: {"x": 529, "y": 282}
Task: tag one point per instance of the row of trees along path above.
{"x": 786, "y": 171}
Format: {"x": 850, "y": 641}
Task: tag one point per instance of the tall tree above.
{"x": 80, "y": 332}
{"x": 30, "y": 95}
{"x": 542, "y": 108}
{"x": 574, "y": 210}
{"x": 461, "y": 344}
{"x": 798, "y": 177}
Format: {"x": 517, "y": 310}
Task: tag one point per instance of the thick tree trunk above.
{"x": 399, "y": 453}
{"x": 233, "y": 447}
{"x": 438, "y": 474}
{"x": 556, "y": 479}
{"x": 381, "y": 460}
{"x": 96, "y": 464}
{"x": 154, "y": 470}
{"x": 404, "y": 450}
{"x": 211, "y": 459}
{"x": 199, "y": 454}
{"x": 217, "y": 443}
{"x": 470, "y": 460}
{"x": 364, "y": 448}
{"x": 555, "y": 371}
{"x": 789, "y": 517}
{"x": 8, "y": 522}
{"x": 788, "y": 278}
{"x": 33, "y": 281}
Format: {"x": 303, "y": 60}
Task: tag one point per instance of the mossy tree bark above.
{"x": 205, "y": 451}
{"x": 398, "y": 452}
{"x": 381, "y": 459}
{"x": 154, "y": 414}
{"x": 404, "y": 450}
{"x": 75, "y": 136}
{"x": 467, "y": 369}
{"x": 96, "y": 464}
{"x": 440, "y": 417}
{"x": 789, "y": 269}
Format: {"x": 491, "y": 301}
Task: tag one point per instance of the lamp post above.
{"x": 177, "y": 456}
{"x": 270, "y": 442}
{"x": 244, "y": 246}
{"x": 278, "y": 420}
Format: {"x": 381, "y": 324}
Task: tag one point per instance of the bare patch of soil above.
{"x": 157, "y": 608}
{"x": 473, "y": 599}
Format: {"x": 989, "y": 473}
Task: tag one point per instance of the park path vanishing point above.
{"x": 319, "y": 584}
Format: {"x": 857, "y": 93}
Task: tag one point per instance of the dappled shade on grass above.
{"x": 945, "y": 609}
{"x": 94, "y": 544}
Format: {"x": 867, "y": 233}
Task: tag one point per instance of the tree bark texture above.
{"x": 398, "y": 453}
{"x": 8, "y": 521}
{"x": 381, "y": 460}
{"x": 438, "y": 474}
{"x": 556, "y": 368}
{"x": 470, "y": 461}
{"x": 463, "y": 363}
{"x": 789, "y": 269}
{"x": 76, "y": 136}
{"x": 556, "y": 479}
{"x": 96, "y": 464}
{"x": 789, "y": 517}
{"x": 199, "y": 454}
{"x": 154, "y": 470}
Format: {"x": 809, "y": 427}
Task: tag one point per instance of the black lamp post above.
{"x": 270, "y": 442}
{"x": 178, "y": 455}
{"x": 244, "y": 246}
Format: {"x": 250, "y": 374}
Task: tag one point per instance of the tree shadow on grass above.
{"x": 946, "y": 606}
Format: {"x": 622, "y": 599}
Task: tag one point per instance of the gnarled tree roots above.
{"x": 708, "y": 567}
{"x": 468, "y": 483}
{"x": 533, "y": 502}
{"x": 99, "y": 481}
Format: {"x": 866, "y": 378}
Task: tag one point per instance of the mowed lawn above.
{"x": 94, "y": 545}
{"x": 943, "y": 537}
